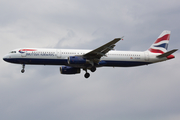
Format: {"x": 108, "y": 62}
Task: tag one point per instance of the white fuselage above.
{"x": 60, "y": 56}
{"x": 73, "y": 60}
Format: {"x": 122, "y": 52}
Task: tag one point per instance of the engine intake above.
{"x": 69, "y": 70}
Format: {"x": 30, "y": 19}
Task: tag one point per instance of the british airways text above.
{"x": 40, "y": 54}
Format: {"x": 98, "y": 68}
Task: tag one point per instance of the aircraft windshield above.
{"x": 13, "y": 52}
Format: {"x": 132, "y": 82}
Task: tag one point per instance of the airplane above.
{"x": 73, "y": 60}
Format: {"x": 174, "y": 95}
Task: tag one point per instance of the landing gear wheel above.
{"x": 23, "y": 66}
{"x": 22, "y": 70}
{"x": 93, "y": 69}
{"x": 86, "y": 75}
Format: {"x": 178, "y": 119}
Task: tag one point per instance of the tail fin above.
{"x": 161, "y": 44}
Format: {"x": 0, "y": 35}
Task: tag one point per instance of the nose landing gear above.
{"x": 23, "y": 70}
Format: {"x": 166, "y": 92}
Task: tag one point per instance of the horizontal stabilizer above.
{"x": 167, "y": 53}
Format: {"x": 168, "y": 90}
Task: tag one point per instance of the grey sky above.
{"x": 42, "y": 93}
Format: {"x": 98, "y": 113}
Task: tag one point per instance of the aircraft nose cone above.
{"x": 5, "y": 58}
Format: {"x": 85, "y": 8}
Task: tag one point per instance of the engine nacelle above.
{"x": 76, "y": 60}
{"x": 69, "y": 70}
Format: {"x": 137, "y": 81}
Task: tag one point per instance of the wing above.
{"x": 101, "y": 51}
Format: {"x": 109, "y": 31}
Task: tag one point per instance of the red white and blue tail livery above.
{"x": 73, "y": 60}
{"x": 161, "y": 44}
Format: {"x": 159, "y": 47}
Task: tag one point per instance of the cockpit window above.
{"x": 13, "y": 52}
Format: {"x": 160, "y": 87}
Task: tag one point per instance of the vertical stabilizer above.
{"x": 161, "y": 44}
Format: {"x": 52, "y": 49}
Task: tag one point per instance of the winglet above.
{"x": 122, "y": 38}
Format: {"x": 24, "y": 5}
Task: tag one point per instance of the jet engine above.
{"x": 69, "y": 70}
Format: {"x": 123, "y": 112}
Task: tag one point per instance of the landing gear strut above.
{"x": 86, "y": 75}
{"x": 23, "y": 70}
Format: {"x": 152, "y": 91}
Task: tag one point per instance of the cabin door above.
{"x": 58, "y": 52}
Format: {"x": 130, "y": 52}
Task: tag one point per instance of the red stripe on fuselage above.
{"x": 155, "y": 51}
{"x": 28, "y": 50}
{"x": 165, "y": 37}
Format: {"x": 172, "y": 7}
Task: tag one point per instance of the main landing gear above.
{"x": 87, "y": 75}
{"x": 23, "y": 70}
{"x": 93, "y": 69}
